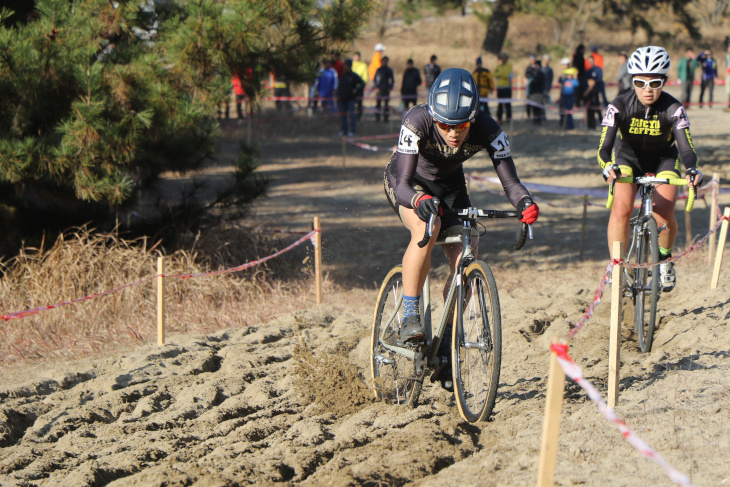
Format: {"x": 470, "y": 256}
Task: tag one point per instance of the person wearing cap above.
{"x": 436, "y": 139}
{"x": 568, "y": 87}
{"x": 347, "y": 88}
{"x": 376, "y": 61}
{"x": 410, "y": 84}
{"x": 503, "y": 79}
{"x": 485, "y": 84}
{"x": 431, "y": 71}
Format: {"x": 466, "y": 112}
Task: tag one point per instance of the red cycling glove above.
{"x": 530, "y": 211}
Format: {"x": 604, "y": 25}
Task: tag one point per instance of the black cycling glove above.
{"x": 425, "y": 207}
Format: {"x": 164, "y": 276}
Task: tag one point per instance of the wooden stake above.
{"x": 614, "y": 349}
{"x": 583, "y": 226}
{"x": 160, "y": 303}
{"x": 551, "y": 424}
{"x": 318, "y": 259}
{"x": 687, "y": 228}
{"x": 713, "y": 217}
{"x": 720, "y": 249}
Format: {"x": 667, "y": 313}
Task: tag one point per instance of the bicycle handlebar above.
{"x": 653, "y": 180}
{"x": 473, "y": 214}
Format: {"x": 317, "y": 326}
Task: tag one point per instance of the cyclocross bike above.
{"x": 398, "y": 369}
{"x": 641, "y": 272}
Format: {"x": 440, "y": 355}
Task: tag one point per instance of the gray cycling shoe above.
{"x": 412, "y": 330}
{"x": 667, "y": 276}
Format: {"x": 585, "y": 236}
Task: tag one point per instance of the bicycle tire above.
{"x": 477, "y": 353}
{"x": 645, "y": 286}
{"x": 393, "y": 375}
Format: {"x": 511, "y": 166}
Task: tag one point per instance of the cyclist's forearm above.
{"x": 511, "y": 184}
{"x": 605, "y": 146}
{"x": 686, "y": 148}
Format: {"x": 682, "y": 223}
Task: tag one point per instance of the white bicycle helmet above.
{"x": 649, "y": 60}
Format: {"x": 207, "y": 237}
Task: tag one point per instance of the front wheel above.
{"x": 393, "y": 375}
{"x": 645, "y": 287}
{"x": 476, "y": 345}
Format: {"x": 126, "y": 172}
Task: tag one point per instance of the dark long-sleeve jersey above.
{"x": 645, "y": 130}
{"x": 423, "y": 153}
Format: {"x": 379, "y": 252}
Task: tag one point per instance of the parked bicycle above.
{"x": 641, "y": 273}
{"x": 398, "y": 369}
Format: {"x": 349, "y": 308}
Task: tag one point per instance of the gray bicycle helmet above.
{"x": 453, "y": 98}
{"x": 649, "y": 60}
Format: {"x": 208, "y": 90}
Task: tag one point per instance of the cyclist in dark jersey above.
{"x": 435, "y": 140}
{"x": 653, "y": 131}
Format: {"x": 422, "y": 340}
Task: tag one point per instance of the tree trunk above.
{"x": 498, "y": 25}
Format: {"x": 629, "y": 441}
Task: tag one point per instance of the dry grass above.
{"x": 81, "y": 263}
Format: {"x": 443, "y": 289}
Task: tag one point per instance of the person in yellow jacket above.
{"x": 485, "y": 84}
{"x": 361, "y": 69}
{"x": 503, "y": 77}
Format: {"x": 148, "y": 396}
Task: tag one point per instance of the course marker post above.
{"x": 551, "y": 424}
{"x": 318, "y": 259}
{"x": 614, "y": 349}
{"x": 713, "y": 217}
{"x": 720, "y": 248}
{"x": 160, "y": 302}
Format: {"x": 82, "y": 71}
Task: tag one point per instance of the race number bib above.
{"x": 501, "y": 147}
{"x": 682, "y": 118}
{"x": 408, "y": 141}
{"x": 609, "y": 119}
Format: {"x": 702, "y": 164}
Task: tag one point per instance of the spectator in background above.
{"x": 598, "y": 61}
{"x": 708, "y": 68}
{"x": 568, "y": 87}
{"x": 579, "y": 63}
{"x": 281, "y": 90}
{"x": 431, "y": 71}
{"x": 347, "y": 89}
{"x": 240, "y": 94}
{"x": 327, "y": 84}
{"x": 623, "y": 78}
{"x": 547, "y": 74}
{"x": 594, "y": 78}
{"x": 338, "y": 65}
{"x": 361, "y": 69}
{"x": 503, "y": 79}
{"x": 376, "y": 61}
{"x": 384, "y": 82}
{"x": 409, "y": 87}
{"x": 727, "y": 77}
{"x": 686, "y": 67}
{"x": 485, "y": 84}
{"x": 535, "y": 90}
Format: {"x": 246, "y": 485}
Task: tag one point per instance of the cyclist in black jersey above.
{"x": 435, "y": 140}
{"x": 653, "y": 135}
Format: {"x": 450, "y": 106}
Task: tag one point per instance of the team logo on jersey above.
{"x": 609, "y": 120}
{"x": 501, "y": 147}
{"x": 682, "y": 118}
{"x": 408, "y": 141}
{"x": 645, "y": 127}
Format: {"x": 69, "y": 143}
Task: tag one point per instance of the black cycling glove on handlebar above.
{"x": 425, "y": 207}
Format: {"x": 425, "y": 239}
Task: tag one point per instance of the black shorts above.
{"x": 654, "y": 163}
{"x": 451, "y": 191}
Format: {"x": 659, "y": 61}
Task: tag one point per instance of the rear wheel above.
{"x": 645, "y": 287}
{"x": 477, "y": 345}
{"x": 393, "y": 375}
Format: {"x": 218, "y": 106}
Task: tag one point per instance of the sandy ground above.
{"x": 287, "y": 402}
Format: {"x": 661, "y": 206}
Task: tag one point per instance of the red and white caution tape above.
{"x": 572, "y": 370}
{"x": 23, "y": 314}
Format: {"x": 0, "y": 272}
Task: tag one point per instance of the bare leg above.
{"x": 416, "y": 260}
{"x": 665, "y": 199}
{"x": 623, "y": 207}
